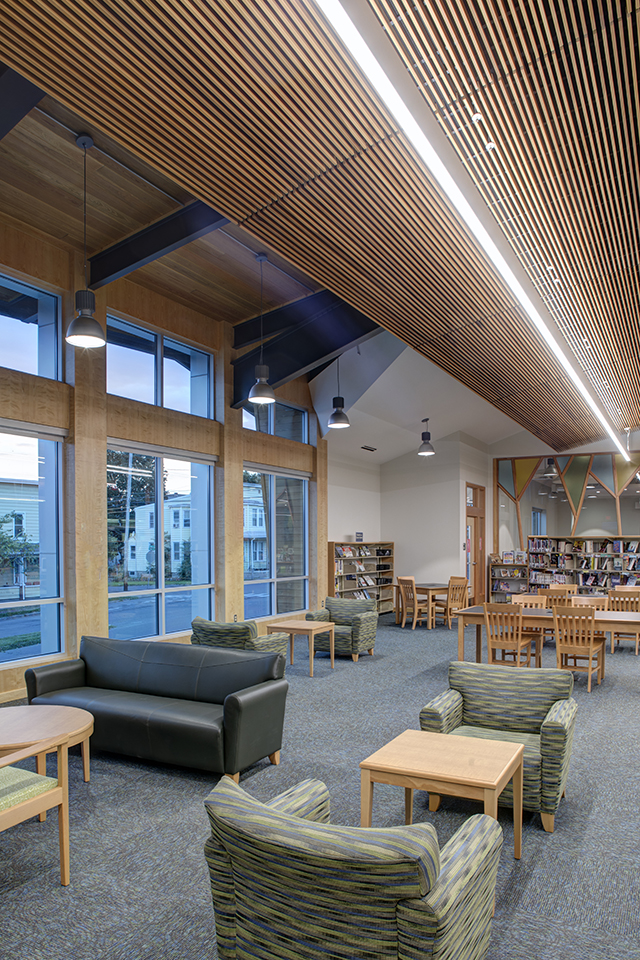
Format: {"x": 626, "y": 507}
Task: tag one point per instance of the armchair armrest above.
{"x": 459, "y": 906}
{"x": 253, "y": 723}
{"x": 318, "y": 615}
{"x": 442, "y": 714}
{"x": 54, "y": 676}
{"x": 363, "y": 628}
{"x": 556, "y": 742}
{"x": 308, "y": 800}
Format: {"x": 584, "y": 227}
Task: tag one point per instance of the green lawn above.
{"x": 24, "y": 640}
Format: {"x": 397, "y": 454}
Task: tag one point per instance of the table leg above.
{"x": 408, "y": 805}
{"x": 310, "y": 654}
{"x": 332, "y": 645}
{"x": 434, "y": 802}
{"x": 491, "y": 803}
{"x": 84, "y": 747}
{"x": 478, "y": 643}
{"x": 518, "y": 779}
{"x": 291, "y": 636}
{"x": 366, "y": 798}
{"x": 460, "y": 638}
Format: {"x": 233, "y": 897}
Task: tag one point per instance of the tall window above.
{"x": 28, "y": 329}
{"x": 538, "y": 522}
{"x": 275, "y": 553}
{"x": 153, "y": 369}
{"x": 278, "y": 419}
{"x": 30, "y": 581}
{"x": 144, "y": 494}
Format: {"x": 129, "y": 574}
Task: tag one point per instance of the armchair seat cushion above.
{"x": 355, "y": 624}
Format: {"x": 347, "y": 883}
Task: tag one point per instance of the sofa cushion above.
{"x": 184, "y": 732}
{"x": 491, "y": 693}
{"x": 207, "y": 674}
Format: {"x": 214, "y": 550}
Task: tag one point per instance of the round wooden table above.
{"x": 22, "y": 726}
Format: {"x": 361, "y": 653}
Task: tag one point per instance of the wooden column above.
{"x": 85, "y": 512}
{"x": 318, "y": 528}
{"x": 229, "y": 528}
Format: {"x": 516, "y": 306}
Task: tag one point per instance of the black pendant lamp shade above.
{"x": 425, "y": 449}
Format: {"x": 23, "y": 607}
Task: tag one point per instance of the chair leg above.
{"x": 547, "y": 821}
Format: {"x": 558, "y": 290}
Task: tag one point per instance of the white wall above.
{"x": 353, "y": 500}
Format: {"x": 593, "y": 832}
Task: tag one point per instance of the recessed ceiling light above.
{"x": 592, "y": 496}
{"x": 591, "y": 486}
{"x": 476, "y": 118}
{"x": 490, "y": 145}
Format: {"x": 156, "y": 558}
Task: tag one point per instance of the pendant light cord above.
{"x": 84, "y": 214}
{"x": 261, "y": 318}
{"x": 339, "y": 394}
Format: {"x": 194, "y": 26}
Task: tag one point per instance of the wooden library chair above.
{"x": 24, "y": 794}
{"x": 577, "y": 647}
{"x": 536, "y": 602}
{"x": 598, "y": 602}
{"x": 506, "y": 643}
{"x": 410, "y": 603}
{"x": 457, "y": 597}
{"x": 623, "y": 599}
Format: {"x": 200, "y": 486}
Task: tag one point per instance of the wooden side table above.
{"x": 444, "y": 763}
{"x": 308, "y": 628}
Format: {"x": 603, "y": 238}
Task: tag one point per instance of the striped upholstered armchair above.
{"x": 241, "y": 636}
{"x": 286, "y": 883}
{"x": 356, "y": 622}
{"x": 533, "y": 707}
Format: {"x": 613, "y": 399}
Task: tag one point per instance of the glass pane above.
{"x": 257, "y": 551}
{"x": 505, "y": 476}
{"x": 133, "y": 617}
{"x": 185, "y": 379}
{"x": 131, "y": 521}
{"x": 602, "y": 468}
{"x": 186, "y": 522}
{"x": 290, "y": 527}
{"x": 257, "y": 600}
{"x": 575, "y": 477}
{"x": 28, "y": 327}
{"x": 508, "y": 536}
{"x": 29, "y": 632}
{"x": 598, "y": 516}
{"x": 29, "y": 566}
{"x": 290, "y": 423}
{"x": 257, "y": 417}
{"x": 181, "y": 607}
{"x": 131, "y": 361}
{"x": 291, "y": 595}
{"x": 248, "y": 419}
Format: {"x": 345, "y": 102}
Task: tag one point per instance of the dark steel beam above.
{"x": 159, "y": 238}
{"x": 328, "y": 326}
{"x": 17, "y": 97}
{"x": 281, "y": 319}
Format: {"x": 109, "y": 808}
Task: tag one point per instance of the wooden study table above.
{"x": 430, "y": 590}
{"x": 606, "y": 620}
{"x": 442, "y": 763}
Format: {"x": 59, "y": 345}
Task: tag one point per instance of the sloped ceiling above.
{"x": 256, "y": 109}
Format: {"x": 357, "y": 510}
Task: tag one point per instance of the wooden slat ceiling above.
{"x": 255, "y": 108}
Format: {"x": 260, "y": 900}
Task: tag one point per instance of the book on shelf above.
{"x": 339, "y": 567}
{"x": 359, "y": 565}
{"x": 631, "y": 581}
{"x": 507, "y": 556}
{"x": 632, "y": 546}
{"x": 519, "y": 556}
{"x": 617, "y": 563}
{"x": 339, "y": 551}
{"x": 365, "y": 552}
{"x": 616, "y": 546}
{"x": 616, "y": 579}
{"x": 504, "y": 587}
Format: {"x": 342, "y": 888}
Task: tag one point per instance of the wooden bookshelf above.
{"x": 596, "y": 564}
{"x": 362, "y": 571}
{"x": 507, "y": 577}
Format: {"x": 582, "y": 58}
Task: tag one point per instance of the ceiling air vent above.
{"x": 370, "y": 449}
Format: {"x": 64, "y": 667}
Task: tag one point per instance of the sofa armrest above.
{"x": 442, "y": 714}
{"x": 556, "y": 742}
{"x": 54, "y": 676}
{"x": 253, "y": 723}
{"x": 363, "y": 628}
{"x": 318, "y": 615}
{"x": 458, "y": 908}
{"x": 308, "y": 800}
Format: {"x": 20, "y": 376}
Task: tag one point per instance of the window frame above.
{"x": 160, "y": 336}
{"x": 40, "y": 287}
{"x": 271, "y": 419}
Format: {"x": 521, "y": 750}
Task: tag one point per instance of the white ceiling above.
{"x": 388, "y": 414}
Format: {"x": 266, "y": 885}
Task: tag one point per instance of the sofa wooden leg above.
{"x": 234, "y": 776}
{"x": 370, "y": 652}
{"x": 275, "y": 758}
{"x": 354, "y": 657}
{"x": 547, "y": 821}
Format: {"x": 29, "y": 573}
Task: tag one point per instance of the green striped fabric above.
{"x": 532, "y": 707}
{"x": 492, "y": 693}
{"x": 240, "y": 636}
{"x": 287, "y": 884}
{"x": 356, "y": 623}
{"x": 17, "y": 785}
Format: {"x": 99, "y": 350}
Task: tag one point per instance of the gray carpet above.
{"x": 139, "y": 887}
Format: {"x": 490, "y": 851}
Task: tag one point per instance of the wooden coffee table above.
{"x": 308, "y": 628}
{"x": 22, "y": 726}
{"x": 442, "y": 763}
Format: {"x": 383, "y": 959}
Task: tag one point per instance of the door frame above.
{"x": 478, "y": 547}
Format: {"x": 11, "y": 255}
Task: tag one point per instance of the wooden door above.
{"x": 475, "y": 539}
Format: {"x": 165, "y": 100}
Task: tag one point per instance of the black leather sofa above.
{"x": 210, "y": 708}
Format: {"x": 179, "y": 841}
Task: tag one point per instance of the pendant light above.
{"x": 425, "y": 449}
{"x": 550, "y": 472}
{"x": 338, "y": 419}
{"x": 261, "y": 392}
{"x": 85, "y": 330}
